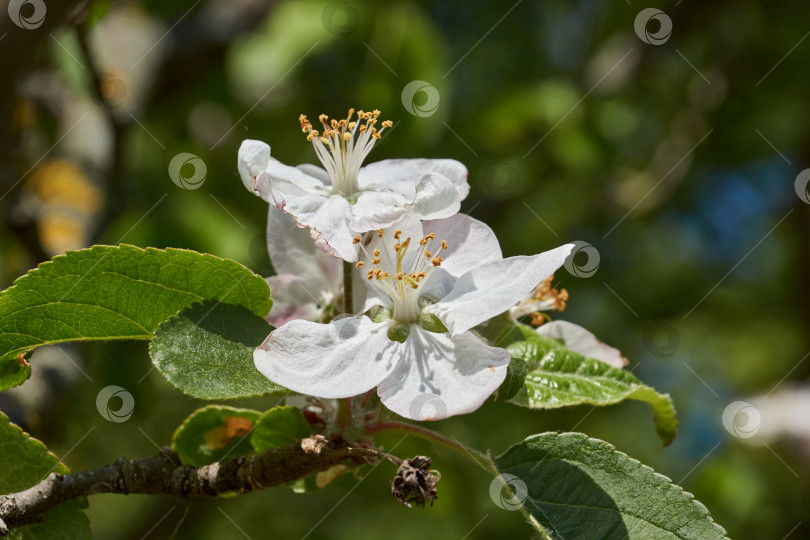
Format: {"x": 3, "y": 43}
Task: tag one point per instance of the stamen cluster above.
{"x": 399, "y": 282}
{"x": 344, "y": 145}
{"x": 551, "y": 298}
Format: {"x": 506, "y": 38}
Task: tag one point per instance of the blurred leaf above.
{"x": 578, "y": 487}
{"x": 114, "y": 292}
{"x": 214, "y": 433}
{"x": 559, "y": 377}
{"x": 207, "y": 351}
{"x": 262, "y": 59}
{"x": 280, "y": 426}
{"x": 24, "y": 461}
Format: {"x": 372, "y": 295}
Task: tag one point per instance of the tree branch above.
{"x": 164, "y": 473}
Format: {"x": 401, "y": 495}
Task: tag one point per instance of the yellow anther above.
{"x": 412, "y": 275}
{"x": 359, "y": 265}
{"x": 376, "y": 113}
{"x": 427, "y": 254}
{"x": 347, "y": 136}
{"x": 421, "y": 275}
{"x": 400, "y": 276}
{"x": 376, "y": 260}
{"x": 386, "y": 274}
{"x": 396, "y": 247}
{"x": 305, "y": 125}
{"x": 370, "y": 274}
{"x": 351, "y": 125}
{"x": 444, "y": 245}
{"x": 437, "y": 261}
{"x": 356, "y": 239}
{"x": 323, "y": 119}
{"x": 380, "y": 233}
{"x": 376, "y": 252}
{"x": 334, "y": 123}
{"x": 387, "y": 124}
{"x": 397, "y": 234}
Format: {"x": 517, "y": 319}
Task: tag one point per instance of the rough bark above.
{"x": 164, "y": 473}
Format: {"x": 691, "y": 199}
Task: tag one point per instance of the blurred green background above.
{"x": 676, "y": 159}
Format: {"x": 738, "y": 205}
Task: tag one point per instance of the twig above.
{"x": 164, "y": 473}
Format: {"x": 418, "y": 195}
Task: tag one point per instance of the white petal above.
{"x": 471, "y": 242}
{"x": 440, "y": 376}
{"x": 402, "y": 174}
{"x": 375, "y": 209}
{"x": 288, "y": 179}
{"x": 316, "y": 172}
{"x": 253, "y": 157}
{"x": 436, "y": 197}
{"x": 344, "y": 358}
{"x": 292, "y": 252}
{"x": 327, "y": 217}
{"x": 492, "y": 288}
{"x": 438, "y": 285}
{"x": 580, "y": 340}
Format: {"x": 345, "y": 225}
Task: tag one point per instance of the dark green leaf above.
{"x": 214, "y": 433}
{"x": 114, "y": 292}
{"x": 207, "y": 352}
{"x": 576, "y": 487}
{"x": 24, "y": 462}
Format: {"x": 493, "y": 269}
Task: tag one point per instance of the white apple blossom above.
{"x": 344, "y": 198}
{"x": 429, "y": 284}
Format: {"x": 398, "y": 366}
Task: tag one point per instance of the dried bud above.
{"x": 415, "y": 483}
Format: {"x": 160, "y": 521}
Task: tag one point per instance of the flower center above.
{"x": 402, "y": 280}
{"x": 344, "y": 145}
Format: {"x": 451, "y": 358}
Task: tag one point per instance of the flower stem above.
{"x": 347, "y": 287}
{"x": 479, "y": 458}
{"x": 344, "y": 418}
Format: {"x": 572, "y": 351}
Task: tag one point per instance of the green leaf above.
{"x": 280, "y": 426}
{"x": 207, "y": 352}
{"x": 214, "y": 433}
{"x": 24, "y": 462}
{"x": 513, "y": 383}
{"x": 114, "y": 292}
{"x": 558, "y": 377}
{"x": 576, "y": 487}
